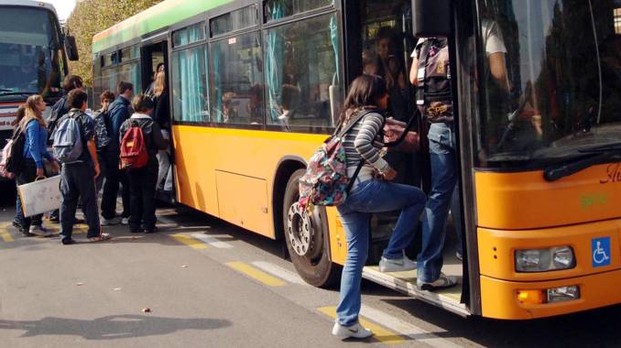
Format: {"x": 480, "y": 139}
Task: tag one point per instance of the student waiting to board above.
{"x": 35, "y": 151}
{"x": 143, "y": 178}
{"x": 77, "y": 176}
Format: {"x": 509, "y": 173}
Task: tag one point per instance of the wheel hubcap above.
{"x": 303, "y": 236}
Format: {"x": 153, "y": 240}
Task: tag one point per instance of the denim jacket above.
{"x": 35, "y": 146}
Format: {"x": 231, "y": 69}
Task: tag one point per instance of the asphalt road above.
{"x": 209, "y": 284}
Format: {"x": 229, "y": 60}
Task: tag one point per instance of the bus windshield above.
{"x": 551, "y": 82}
{"x": 31, "y": 56}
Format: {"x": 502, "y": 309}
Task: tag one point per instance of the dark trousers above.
{"x": 27, "y": 175}
{"x": 142, "y": 196}
{"x": 114, "y": 177}
{"x": 77, "y": 181}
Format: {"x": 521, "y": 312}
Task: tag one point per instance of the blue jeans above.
{"x": 443, "y": 180}
{"x": 373, "y": 196}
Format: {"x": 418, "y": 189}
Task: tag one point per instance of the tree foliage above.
{"x": 92, "y": 16}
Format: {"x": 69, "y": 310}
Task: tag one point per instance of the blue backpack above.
{"x": 67, "y": 144}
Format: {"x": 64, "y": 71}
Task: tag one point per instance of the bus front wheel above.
{"x": 306, "y": 235}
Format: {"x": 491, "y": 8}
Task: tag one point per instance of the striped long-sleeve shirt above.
{"x": 364, "y": 141}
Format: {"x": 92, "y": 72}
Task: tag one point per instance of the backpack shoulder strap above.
{"x": 359, "y": 116}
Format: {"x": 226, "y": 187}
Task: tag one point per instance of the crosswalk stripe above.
{"x": 406, "y": 329}
{"x": 212, "y": 241}
{"x": 380, "y": 333}
{"x": 189, "y": 241}
{"x": 256, "y": 273}
{"x": 280, "y": 272}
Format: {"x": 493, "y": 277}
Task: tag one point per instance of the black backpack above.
{"x": 15, "y": 159}
{"x": 102, "y": 137}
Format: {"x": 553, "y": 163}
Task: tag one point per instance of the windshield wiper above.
{"x": 596, "y": 155}
{"x": 602, "y": 148}
{"x": 5, "y": 90}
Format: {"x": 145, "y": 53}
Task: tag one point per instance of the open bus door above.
{"x": 154, "y": 59}
{"x": 381, "y": 29}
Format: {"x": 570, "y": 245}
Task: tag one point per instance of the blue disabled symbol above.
{"x": 601, "y": 251}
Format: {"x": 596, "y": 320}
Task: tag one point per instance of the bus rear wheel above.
{"x": 306, "y": 236}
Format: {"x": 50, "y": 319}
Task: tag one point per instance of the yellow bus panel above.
{"x": 507, "y": 201}
{"x": 202, "y": 152}
{"x": 497, "y": 250}
{"x": 243, "y": 201}
{"x": 499, "y": 298}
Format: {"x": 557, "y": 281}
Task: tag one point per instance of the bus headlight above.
{"x": 542, "y": 260}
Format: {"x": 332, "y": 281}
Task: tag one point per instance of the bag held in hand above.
{"x": 325, "y": 181}
{"x": 40, "y": 196}
{"x": 134, "y": 152}
{"x": 394, "y": 137}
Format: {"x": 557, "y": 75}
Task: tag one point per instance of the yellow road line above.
{"x": 4, "y": 233}
{"x": 256, "y": 274}
{"x": 380, "y": 333}
{"x": 189, "y": 241}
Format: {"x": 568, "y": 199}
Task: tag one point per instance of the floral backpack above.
{"x": 325, "y": 181}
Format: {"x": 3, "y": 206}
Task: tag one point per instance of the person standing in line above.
{"x": 372, "y": 192}
{"x": 162, "y": 118}
{"x": 118, "y": 112}
{"x": 59, "y": 109}
{"x": 18, "y": 220}
{"x": 142, "y": 180}
{"x": 77, "y": 179}
{"x": 35, "y": 150}
{"x": 105, "y": 99}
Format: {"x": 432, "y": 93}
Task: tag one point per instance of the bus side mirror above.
{"x": 71, "y": 47}
{"x": 432, "y": 18}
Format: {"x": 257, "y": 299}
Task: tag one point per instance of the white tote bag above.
{"x": 40, "y": 196}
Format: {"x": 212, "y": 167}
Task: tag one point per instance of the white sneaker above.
{"x": 107, "y": 222}
{"x": 442, "y": 282}
{"x": 396, "y": 265}
{"x": 354, "y": 331}
{"x": 125, "y": 221}
{"x": 39, "y": 230}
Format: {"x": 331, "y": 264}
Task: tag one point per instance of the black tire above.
{"x": 309, "y": 252}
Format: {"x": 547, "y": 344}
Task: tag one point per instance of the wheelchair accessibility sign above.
{"x": 600, "y": 249}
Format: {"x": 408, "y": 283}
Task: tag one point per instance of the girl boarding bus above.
{"x": 256, "y": 86}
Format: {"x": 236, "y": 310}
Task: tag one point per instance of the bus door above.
{"x": 154, "y": 55}
{"x": 380, "y": 40}
{"x": 154, "y": 60}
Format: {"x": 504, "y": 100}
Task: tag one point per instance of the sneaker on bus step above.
{"x": 396, "y": 265}
{"x": 354, "y": 331}
{"x": 442, "y": 282}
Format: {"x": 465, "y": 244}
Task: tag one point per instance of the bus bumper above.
{"x": 501, "y": 299}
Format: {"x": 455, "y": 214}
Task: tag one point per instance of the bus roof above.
{"x": 152, "y": 19}
{"x": 28, "y": 3}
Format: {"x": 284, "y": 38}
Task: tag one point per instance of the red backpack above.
{"x": 134, "y": 152}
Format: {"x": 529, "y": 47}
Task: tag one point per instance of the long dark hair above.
{"x": 364, "y": 93}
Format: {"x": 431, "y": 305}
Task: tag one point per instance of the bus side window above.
{"x": 236, "y": 80}
{"x": 303, "y": 73}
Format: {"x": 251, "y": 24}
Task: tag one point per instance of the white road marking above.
{"x": 212, "y": 241}
{"x": 280, "y": 272}
{"x": 406, "y": 329}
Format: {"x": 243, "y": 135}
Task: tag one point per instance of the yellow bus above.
{"x": 256, "y": 86}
